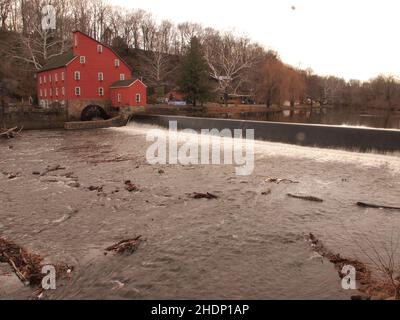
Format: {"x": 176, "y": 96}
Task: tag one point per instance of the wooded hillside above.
{"x": 154, "y": 50}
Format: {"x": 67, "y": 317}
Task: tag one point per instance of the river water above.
{"x": 243, "y": 245}
{"x": 373, "y": 118}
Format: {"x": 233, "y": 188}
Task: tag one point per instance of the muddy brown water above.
{"x": 243, "y": 245}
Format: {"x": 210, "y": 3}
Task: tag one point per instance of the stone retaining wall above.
{"x": 79, "y": 125}
{"x": 32, "y": 117}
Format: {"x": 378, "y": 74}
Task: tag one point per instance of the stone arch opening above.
{"x": 94, "y": 112}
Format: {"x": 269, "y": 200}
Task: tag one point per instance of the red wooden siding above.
{"x": 95, "y": 62}
{"x": 128, "y": 95}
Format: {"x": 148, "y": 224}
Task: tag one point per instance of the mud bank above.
{"x": 246, "y": 242}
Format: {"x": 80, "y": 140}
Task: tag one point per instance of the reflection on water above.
{"x": 331, "y": 116}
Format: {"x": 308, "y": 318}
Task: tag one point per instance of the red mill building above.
{"x": 90, "y": 80}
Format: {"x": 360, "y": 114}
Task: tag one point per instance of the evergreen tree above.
{"x": 194, "y": 75}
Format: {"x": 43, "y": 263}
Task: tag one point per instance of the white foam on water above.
{"x": 273, "y": 149}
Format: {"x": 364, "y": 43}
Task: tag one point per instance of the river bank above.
{"x": 248, "y": 243}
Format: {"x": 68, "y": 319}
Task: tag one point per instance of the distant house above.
{"x": 86, "y": 78}
{"x": 175, "y": 97}
{"x": 237, "y": 99}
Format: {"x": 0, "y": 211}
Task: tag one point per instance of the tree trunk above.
{"x": 268, "y": 103}
{"x": 2, "y": 113}
{"x": 387, "y": 118}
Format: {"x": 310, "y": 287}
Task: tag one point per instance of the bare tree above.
{"x": 385, "y": 259}
{"x": 5, "y": 7}
{"x": 37, "y": 46}
{"x": 229, "y": 58}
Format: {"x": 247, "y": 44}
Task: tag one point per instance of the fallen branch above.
{"x": 9, "y": 133}
{"x": 27, "y": 266}
{"x": 126, "y": 246}
{"x": 308, "y": 198}
{"x": 278, "y": 181}
{"x": 369, "y": 286}
{"x": 375, "y": 206}
{"x": 129, "y": 186}
{"x": 203, "y": 196}
{"x": 52, "y": 169}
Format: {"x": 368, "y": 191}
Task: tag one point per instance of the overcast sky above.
{"x": 354, "y": 39}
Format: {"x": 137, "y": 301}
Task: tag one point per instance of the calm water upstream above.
{"x": 330, "y": 116}
{"x": 242, "y": 245}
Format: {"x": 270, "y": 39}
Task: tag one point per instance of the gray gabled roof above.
{"x": 58, "y": 61}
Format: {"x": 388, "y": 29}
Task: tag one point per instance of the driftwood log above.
{"x": 307, "y": 198}
{"x": 126, "y": 246}
{"x": 376, "y": 206}
{"x": 27, "y": 266}
{"x": 10, "y": 133}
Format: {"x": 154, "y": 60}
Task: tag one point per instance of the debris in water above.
{"x": 64, "y": 218}
{"x": 267, "y": 192}
{"x": 13, "y": 175}
{"x": 369, "y": 287}
{"x": 129, "y": 186}
{"x": 27, "y": 266}
{"x": 52, "y": 169}
{"x": 10, "y": 133}
{"x": 73, "y": 184}
{"x": 118, "y": 285}
{"x": 375, "y": 206}
{"x": 308, "y": 198}
{"x": 126, "y": 246}
{"x": 278, "y": 181}
{"x": 70, "y": 175}
{"x": 204, "y": 196}
{"x": 94, "y": 188}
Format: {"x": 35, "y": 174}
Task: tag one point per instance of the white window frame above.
{"x": 100, "y": 76}
{"x": 99, "y": 48}
{"x": 122, "y": 76}
{"x": 82, "y": 59}
{"x": 44, "y": 79}
{"x": 62, "y": 76}
{"x": 117, "y": 63}
{"x": 56, "y": 92}
{"x": 76, "y": 40}
{"x": 138, "y": 95}
{"x": 119, "y": 97}
{"x": 77, "y": 75}
{"x": 101, "y": 91}
{"x": 45, "y": 92}
{"x": 51, "y": 92}
{"x": 78, "y": 91}
{"x": 63, "y": 91}
{"x": 40, "y": 79}
{"x": 56, "y": 77}
{"x": 50, "y": 78}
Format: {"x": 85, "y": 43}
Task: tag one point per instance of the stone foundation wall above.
{"x": 75, "y": 107}
{"x": 79, "y": 125}
{"x": 33, "y": 117}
